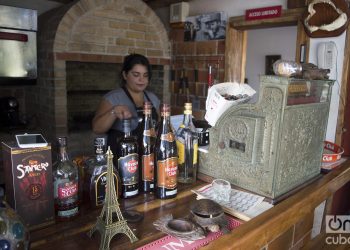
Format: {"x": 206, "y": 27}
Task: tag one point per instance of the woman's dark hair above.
{"x": 131, "y": 60}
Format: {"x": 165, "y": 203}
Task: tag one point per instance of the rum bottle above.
{"x": 96, "y": 179}
{"x": 187, "y": 146}
{"x": 147, "y": 150}
{"x": 128, "y": 162}
{"x": 165, "y": 158}
{"x": 65, "y": 182}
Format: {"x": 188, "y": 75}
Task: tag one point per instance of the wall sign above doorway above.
{"x": 263, "y": 13}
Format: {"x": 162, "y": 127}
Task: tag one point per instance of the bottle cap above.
{"x": 126, "y": 125}
{"x": 188, "y": 106}
{"x": 62, "y": 141}
{"x": 165, "y": 107}
{"x": 100, "y": 145}
{"x": 100, "y": 141}
{"x": 147, "y": 105}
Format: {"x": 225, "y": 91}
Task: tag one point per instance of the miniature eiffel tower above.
{"x": 105, "y": 224}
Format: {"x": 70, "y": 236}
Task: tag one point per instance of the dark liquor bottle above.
{"x": 147, "y": 149}
{"x": 65, "y": 182}
{"x": 96, "y": 176}
{"x": 128, "y": 162}
{"x": 166, "y": 158}
{"x": 187, "y": 146}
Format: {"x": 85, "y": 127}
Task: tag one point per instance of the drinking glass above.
{"x": 221, "y": 190}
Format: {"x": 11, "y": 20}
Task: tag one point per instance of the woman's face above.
{"x": 137, "y": 78}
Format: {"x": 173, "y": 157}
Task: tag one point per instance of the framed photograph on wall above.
{"x": 211, "y": 26}
{"x": 269, "y": 61}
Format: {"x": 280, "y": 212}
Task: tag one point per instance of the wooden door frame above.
{"x": 235, "y": 55}
{"x": 343, "y": 126}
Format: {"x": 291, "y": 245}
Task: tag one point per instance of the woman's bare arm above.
{"x": 106, "y": 115}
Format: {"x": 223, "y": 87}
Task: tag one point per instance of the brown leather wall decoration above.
{"x": 326, "y": 18}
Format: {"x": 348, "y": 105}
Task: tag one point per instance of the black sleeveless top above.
{"x": 114, "y": 135}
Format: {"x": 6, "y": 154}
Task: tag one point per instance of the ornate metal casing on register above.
{"x": 272, "y": 146}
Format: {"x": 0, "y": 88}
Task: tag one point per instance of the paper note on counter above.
{"x": 242, "y": 205}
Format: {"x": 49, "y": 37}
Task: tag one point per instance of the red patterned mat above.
{"x": 170, "y": 242}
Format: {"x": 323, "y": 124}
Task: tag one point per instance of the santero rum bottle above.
{"x": 65, "y": 182}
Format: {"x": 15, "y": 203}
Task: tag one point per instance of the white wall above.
{"x": 231, "y": 7}
{"x": 262, "y": 42}
{"x": 335, "y": 74}
{"x": 238, "y": 7}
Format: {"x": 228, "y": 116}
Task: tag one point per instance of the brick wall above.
{"x": 186, "y": 58}
{"x": 99, "y": 31}
{"x": 87, "y": 82}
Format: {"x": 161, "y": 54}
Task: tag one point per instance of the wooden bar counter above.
{"x": 287, "y": 225}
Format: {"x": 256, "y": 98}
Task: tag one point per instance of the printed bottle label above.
{"x": 150, "y": 132}
{"x": 181, "y": 152}
{"x": 128, "y": 167}
{"x": 167, "y": 137}
{"x": 148, "y": 167}
{"x": 68, "y": 213}
{"x": 167, "y": 173}
{"x": 100, "y": 188}
{"x": 67, "y": 190}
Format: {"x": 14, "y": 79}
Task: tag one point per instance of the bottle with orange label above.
{"x": 128, "y": 162}
{"x": 147, "y": 149}
{"x": 165, "y": 158}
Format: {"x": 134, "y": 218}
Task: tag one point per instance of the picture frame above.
{"x": 210, "y": 26}
{"x": 269, "y": 61}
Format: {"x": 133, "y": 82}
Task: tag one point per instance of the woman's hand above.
{"x": 106, "y": 115}
{"x": 121, "y": 112}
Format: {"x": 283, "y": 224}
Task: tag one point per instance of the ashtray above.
{"x": 331, "y": 152}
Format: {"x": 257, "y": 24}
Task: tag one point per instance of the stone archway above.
{"x": 91, "y": 31}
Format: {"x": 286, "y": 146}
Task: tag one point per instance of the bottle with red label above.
{"x": 128, "y": 162}
{"x": 147, "y": 150}
{"x": 165, "y": 158}
{"x": 65, "y": 182}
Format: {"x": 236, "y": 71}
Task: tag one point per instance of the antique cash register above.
{"x": 275, "y": 145}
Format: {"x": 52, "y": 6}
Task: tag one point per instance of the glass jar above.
{"x": 13, "y": 233}
{"x": 287, "y": 68}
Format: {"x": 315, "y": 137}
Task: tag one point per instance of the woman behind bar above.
{"x": 126, "y": 102}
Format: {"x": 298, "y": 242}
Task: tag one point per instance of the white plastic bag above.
{"x": 216, "y": 104}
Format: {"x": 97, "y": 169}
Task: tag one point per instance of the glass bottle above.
{"x": 147, "y": 150}
{"x": 165, "y": 158}
{"x": 65, "y": 181}
{"x": 187, "y": 146}
{"x": 128, "y": 162}
{"x": 96, "y": 180}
